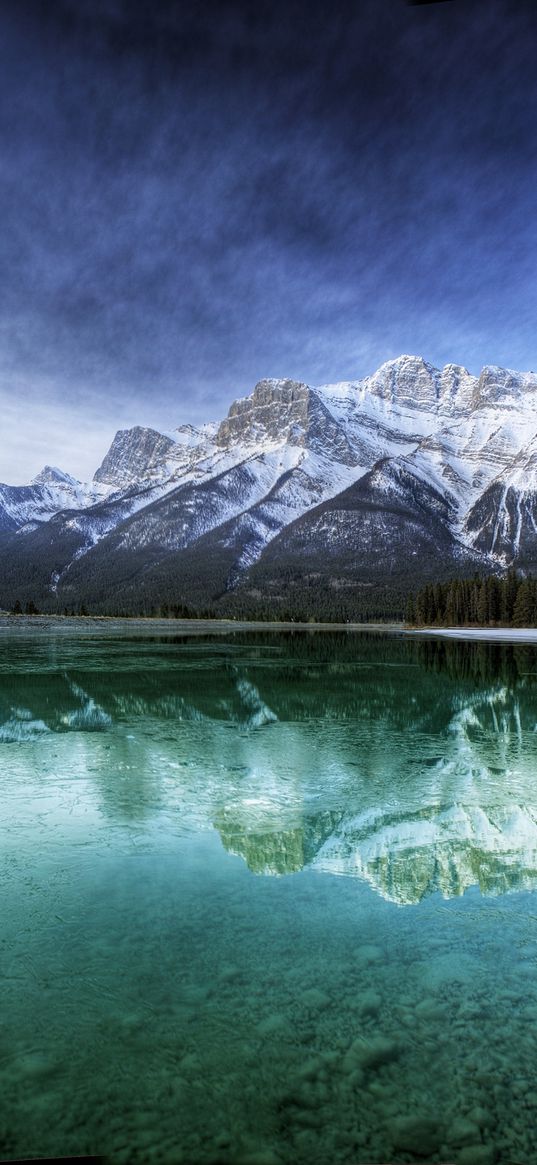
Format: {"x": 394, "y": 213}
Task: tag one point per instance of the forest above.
{"x": 510, "y": 601}
{"x": 490, "y": 601}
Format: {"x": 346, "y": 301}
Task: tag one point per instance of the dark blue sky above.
{"x": 193, "y": 196}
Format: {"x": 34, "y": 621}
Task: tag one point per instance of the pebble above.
{"x": 35, "y": 1065}
{"x": 260, "y": 1157}
{"x": 430, "y": 1009}
{"x": 375, "y": 1052}
{"x": 310, "y": 1069}
{"x": 195, "y": 993}
{"x": 368, "y": 954}
{"x": 477, "y": 1155}
{"x": 530, "y": 1013}
{"x": 463, "y": 1132}
{"x": 223, "y": 1140}
{"x": 414, "y": 1134}
{"x": 229, "y": 973}
{"x": 315, "y": 1000}
{"x": 377, "y": 1089}
{"x": 308, "y": 1117}
{"x": 369, "y": 1003}
{"x": 307, "y": 1095}
{"x": 481, "y": 1117}
{"x": 305, "y": 1142}
{"x": 527, "y": 969}
{"x": 273, "y": 1025}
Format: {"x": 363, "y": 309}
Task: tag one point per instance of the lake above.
{"x": 268, "y": 898}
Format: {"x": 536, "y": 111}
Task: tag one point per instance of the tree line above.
{"x": 510, "y": 601}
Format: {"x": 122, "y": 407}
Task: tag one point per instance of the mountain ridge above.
{"x": 300, "y": 496}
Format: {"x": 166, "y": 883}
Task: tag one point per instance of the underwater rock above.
{"x": 463, "y": 1132}
{"x": 223, "y": 1140}
{"x": 368, "y": 954}
{"x": 315, "y": 1000}
{"x": 195, "y": 993}
{"x": 311, "y": 1069}
{"x": 260, "y": 1157}
{"x": 371, "y": 1053}
{"x": 481, "y": 1117}
{"x": 430, "y": 1008}
{"x": 273, "y": 1025}
{"x": 419, "y": 1135}
{"x": 379, "y": 1051}
{"x": 477, "y": 1155}
{"x": 309, "y": 1117}
{"x": 35, "y": 1065}
{"x": 229, "y": 973}
{"x": 190, "y": 1063}
{"x": 369, "y": 1003}
{"x": 304, "y": 1095}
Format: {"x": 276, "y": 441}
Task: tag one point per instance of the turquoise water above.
{"x": 268, "y": 899}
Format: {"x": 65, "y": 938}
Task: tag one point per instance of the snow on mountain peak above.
{"x": 459, "y": 446}
{"x": 271, "y": 410}
{"x": 407, "y": 380}
{"x": 186, "y": 435}
{"x": 135, "y": 454}
{"x": 499, "y": 385}
{"x": 51, "y": 475}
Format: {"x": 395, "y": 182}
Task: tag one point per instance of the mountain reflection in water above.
{"x": 410, "y": 765}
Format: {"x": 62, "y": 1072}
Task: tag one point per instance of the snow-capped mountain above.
{"x": 50, "y": 491}
{"x": 412, "y": 472}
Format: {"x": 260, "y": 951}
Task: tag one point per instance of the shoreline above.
{"x": 489, "y": 635}
{"x": 145, "y": 625}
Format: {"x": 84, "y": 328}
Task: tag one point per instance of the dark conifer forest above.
{"x": 489, "y": 601}
{"x": 510, "y": 601}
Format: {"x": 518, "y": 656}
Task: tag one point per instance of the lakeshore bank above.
{"x": 113, "y": 625}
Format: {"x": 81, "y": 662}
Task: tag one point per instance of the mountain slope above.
{"x": 50, "y": 491}
{"x": 298, "y": 495}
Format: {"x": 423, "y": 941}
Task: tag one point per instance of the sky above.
{"x": 196, "y": 195}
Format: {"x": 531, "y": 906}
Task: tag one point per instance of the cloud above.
{"x": 41, "y": 433}
{"x": 195, "y": 196}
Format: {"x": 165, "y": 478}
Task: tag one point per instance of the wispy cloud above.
{"x": 192, "y": 197}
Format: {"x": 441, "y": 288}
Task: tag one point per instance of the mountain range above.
{"x": 331, "y": 500}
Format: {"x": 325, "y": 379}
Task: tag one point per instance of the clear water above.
{"x": 268, "y": 899}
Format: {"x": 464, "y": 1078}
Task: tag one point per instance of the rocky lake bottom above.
{"x": 268, "y": 900}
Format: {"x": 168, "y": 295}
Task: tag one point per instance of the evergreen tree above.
{"x": 509, "y": 596}
{"x": 493, "y": 598}
{"x": 439, "y": 603}
{"x": 483, "y": 604}
{"x": 410, "y": 611}
{"x": 450, "y": 605}
{"x": 524, "y": 608}
{"x": 459, "y": 605}
{"x": 511, "y": 601}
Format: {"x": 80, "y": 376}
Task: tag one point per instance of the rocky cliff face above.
{"x": 285, "y": 411}
{"x": 135, "y": 455}
{"x": 413, "y": 472}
